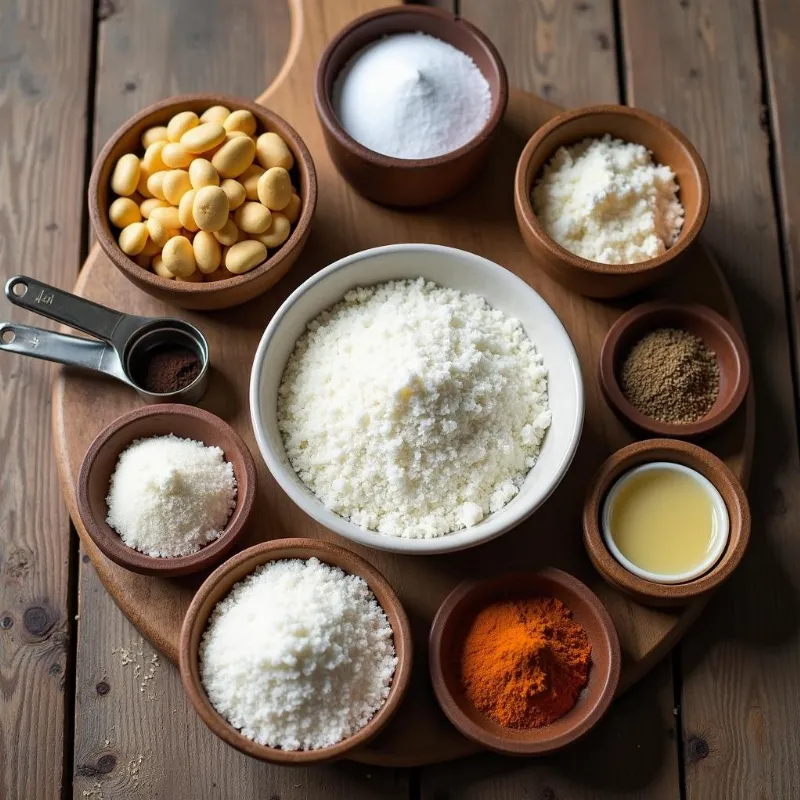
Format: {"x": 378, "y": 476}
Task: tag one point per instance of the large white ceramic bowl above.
{"x": 445, "y": 266}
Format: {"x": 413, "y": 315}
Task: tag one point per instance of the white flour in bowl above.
{"x": 413, "y": 410}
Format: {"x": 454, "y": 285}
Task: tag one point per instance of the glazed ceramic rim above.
{"x": 721, "y": 536}
{"x": 524, "y": 204}
{"x": 489, "y": 528}
{"x": 330, "y": 120}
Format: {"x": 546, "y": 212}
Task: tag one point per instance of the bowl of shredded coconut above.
{"x": 296, "y": 651}
{"x": 608, "y": 198}
{"x": 416, "y": 398}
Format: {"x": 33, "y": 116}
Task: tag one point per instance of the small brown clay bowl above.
{"x": 100, "y": 462}
{"x": 403, "y": 182}
{"x": 717, "y": 334}
{"x": 696, "y": 458}
{"x": 219, "y": 584}
{"x": 216, "y": 294}
{"x": 446, "y": 637}
{"x": 668, "y": 145}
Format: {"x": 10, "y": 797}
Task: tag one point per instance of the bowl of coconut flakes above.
{"x": 416, "y": 398}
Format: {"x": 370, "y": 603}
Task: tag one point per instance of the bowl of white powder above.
{"x": 609, "y": 198}
{"x": 409, "y": 99}
{"x": 296, "y": 651}
{"x": 416, "y": 398}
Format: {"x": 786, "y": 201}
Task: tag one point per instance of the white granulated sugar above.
{"x": 170, "y": 496}
{"x": 607, "y": 201}
{"x": 299, "y": 655}
{"x": 413, "y": 410}
{"x": 411, "y": 95}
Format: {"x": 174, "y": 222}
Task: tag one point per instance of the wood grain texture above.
{"x": 139, "y": 736}
{"x": 419, "y": 734}
{"x": 698, "y": 66}
{"x": 44, "y": 64}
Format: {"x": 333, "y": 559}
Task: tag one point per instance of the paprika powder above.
{"x": 524, "y": 661}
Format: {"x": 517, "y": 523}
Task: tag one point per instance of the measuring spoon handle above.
{"x": 59, "y": 347}
{"x": 64, "y": 307}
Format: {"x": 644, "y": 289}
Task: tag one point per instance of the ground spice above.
{"x": 670, "y": 375}
{"x": 525, "y": 661}
{"x": 169, "y": 368}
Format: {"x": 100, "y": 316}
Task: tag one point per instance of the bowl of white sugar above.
{"x": 609, "y": 199}
{"x": 409, "y": 99}
{"x": 416, "y": 398}
{"x": 296, "y": 651}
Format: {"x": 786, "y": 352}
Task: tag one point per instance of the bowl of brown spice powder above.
{"x": 674, "y": 370}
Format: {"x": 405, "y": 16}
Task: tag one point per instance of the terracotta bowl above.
{"x": 708, "y": 465}
{"x": 668, "y": 145}
{"x": 717, "y": 333}
{"x": 100, "y": 461}
{"x": 216, "y": 294}
{"x": 449, "y": 628}
{"x": 219, "y": 584}
{"x": 397, "y": 181}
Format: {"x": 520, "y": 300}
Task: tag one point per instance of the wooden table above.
{"x": 88, "y": 709}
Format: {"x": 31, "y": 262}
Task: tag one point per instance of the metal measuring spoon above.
{"x": 127, "y": 341}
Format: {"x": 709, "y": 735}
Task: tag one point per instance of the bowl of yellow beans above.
{"x": 203, "y": 201}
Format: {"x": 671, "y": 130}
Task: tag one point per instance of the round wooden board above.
{"x": 481, "y": 220}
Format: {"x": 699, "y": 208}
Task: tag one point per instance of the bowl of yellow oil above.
{"x": 665, "y": 522}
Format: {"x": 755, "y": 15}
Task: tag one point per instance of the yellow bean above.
{"x": 210, "y": 208}
{"x": 243, "y": 256}
{"x": 274, "y": 188}
{"x": 133, "y": 238}
{"x": 203, "y": 137}
{"x": 272, "y": 151}
{"x": 235, "y": 191}
{"x": 292, "y": 211}
{"x": 195, "y": 277}
{"x": 175, "y": 185}
{"x": 155, "y": 134}
{"x": 125, "y": 177}
{"x": 151, "y": 203}
{"x": 215, "y": 114}
{"x": 277, "y": 233}
{"x": 176, "y": 156}
{"x": 185, "y": 211}
{"x": 228, "y": 235}
{"x": 150, "y": 248}
{"x": 158, "y": 233}
{"x": 152, "y": 157}
{"x": 123, "y": 212}
{"x": 241, "y": 120}
{"x": 178, "y": 257}
{"x": 249, "y": 179}
{"x": 143, "y": 176}
{"x": 180, "y": 123}
{"x": 234, "y": 157}
{"x": 253, "y": 218}
{"x": 155, "y": 184}
{"x": 207, "y": 252}
{"x": 160, "y": 269}
{"x": 202, "y": 173}
{"x": 167, "y": 216}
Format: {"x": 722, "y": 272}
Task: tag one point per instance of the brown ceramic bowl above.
{"x": 219, "y": 584}
{"x": 717, "y": 333}
{"x": 397, "y": 181}
{"x": 100, "y": 461}
{"x": 216, "y": 294}
{"x": 668, "y": 145}
{"x": 708, "y": 465}
{"x": 449, "y": 628}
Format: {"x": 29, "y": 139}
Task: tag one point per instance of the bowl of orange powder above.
{"x": 524, "y": 663}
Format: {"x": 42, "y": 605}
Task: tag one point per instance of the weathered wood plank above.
{"x": 696, "y": 63}
{"x": 565, "y": 51}
{"x": 44, "y": 66}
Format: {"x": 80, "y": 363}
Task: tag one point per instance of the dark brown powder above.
{"x": 670, "y": 375}
{"x": 169, "y": 368}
